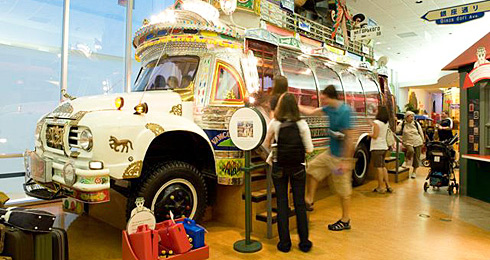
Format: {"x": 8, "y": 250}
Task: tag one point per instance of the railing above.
{"x": 11, "y": 174}
{"x": 397, "y": 147}
{"x": 269, "y": 193}
{"x": 269, "y": 202}
{"x": 10, "y": 155}
{"x": 272, "y": 13}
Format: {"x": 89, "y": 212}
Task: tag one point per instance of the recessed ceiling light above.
{"x": 450, "y": 33}
{"x": 398, "y": 53}
{"x": 407, "y": 35}
{"x": 419, "y": 2}
{"x": 378, "y": 43}
{"x": 389, "y": 48}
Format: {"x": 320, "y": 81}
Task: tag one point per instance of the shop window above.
{"x": 175, "y": 72}
{"x": 326, "y": 76}
{"x": 354, "y": 95}
{"x": 228, "y": 87}
{"x": 301, "y": 81}
{"x": 372, "y": 94}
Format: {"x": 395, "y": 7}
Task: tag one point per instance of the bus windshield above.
{"x": 171, "y": 73}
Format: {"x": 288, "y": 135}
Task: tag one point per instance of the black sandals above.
{"x": 339, "y": 225}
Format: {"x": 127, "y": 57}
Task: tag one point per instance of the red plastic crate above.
{"x": 196, "y": 254}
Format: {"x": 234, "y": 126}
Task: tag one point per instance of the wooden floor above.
{"x": 408, "y": 224}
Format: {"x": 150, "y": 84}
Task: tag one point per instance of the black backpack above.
{"x": 290, "y": 147}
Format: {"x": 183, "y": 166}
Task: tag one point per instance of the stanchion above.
{"x": 247, "y": 245}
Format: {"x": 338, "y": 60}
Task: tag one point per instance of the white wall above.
{"x": 438, "y": 98}
{"x": 402, "y": 98}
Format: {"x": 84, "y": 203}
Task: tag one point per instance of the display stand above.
{"x": 247, "y": 245}
{"x": 247, "y": 131}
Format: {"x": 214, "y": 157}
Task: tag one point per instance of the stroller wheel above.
{"x": 426, "y": 163}
{"x": 426, "y": 186}
{"x": 450, "y": 189}
{"x": 456, "y": 186}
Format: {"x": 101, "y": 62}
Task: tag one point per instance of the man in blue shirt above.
{"x": 336, "y": 163}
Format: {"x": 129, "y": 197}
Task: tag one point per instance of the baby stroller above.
{"x": 441, "y": 159}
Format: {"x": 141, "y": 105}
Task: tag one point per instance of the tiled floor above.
{"x": 408, "y": 224}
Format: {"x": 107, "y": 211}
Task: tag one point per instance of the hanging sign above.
{"x": 334, "y": 50}
{"x": 481, "y": 69}
{"x": 366, "y": 33}
{"x": 303, "y": 25}
{"x": 479, "y": 73}
{"x": 288, "y": 5}
{"x": 458, "y": 14}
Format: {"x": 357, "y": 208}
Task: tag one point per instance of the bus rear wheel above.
{"x": 359, "y": 173}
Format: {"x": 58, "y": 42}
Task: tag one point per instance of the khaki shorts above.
{"x": 378, "y": 157}
{"x": 413, "y": 152}
{"x": 324, "y": 165}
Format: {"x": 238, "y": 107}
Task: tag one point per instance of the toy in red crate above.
{"x": 145, "y": 243}
{"x": 173, "y": 236}
{"x": 195, "y": 232}
{"x": 169, "y": 239}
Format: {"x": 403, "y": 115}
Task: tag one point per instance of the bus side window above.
{"x": 372, "y": 93}
{"x": 267, "y": 68}
{"x": 326, "y": 76}
{"x": 354, "y": 94}
{"x": 228, "y": 86}
{"x": 301, "y": 81}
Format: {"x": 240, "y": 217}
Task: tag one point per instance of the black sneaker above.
{"x": 339, "y": 225}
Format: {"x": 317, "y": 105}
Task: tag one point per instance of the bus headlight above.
{"x": 86, "y": 140}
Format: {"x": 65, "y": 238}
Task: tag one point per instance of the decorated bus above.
{"x": 167, "y": 140}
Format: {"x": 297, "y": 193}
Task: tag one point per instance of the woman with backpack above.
{"x": 379, "y": 147}
{"x": 413, "y": 140}
{"x": 293, "y": 139}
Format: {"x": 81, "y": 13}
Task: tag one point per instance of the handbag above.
{"x": 390, "y": 139}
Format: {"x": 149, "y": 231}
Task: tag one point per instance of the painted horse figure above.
{"x": 114, "y": 144}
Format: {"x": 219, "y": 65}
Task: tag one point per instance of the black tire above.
{"x": 359, "y": 173}
{"x": 426, "y": 186}
{"x": 171, "y": 186}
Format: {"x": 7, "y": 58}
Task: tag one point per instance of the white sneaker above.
{"x": 413, "y": 175}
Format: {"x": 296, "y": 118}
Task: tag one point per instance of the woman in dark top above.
{"x": 279, "y": 86}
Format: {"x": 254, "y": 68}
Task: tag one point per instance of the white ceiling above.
{"x": 419, "y": 59}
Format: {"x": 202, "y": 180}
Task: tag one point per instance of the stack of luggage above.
{"x": 28, "y": 234}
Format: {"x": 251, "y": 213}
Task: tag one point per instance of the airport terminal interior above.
{"x": 244, "y": 129}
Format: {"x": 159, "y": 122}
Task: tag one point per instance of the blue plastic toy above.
{"x": 195, "y": 232}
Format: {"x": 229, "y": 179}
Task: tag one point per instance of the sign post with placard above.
{"x": 366, "y": 33}
{"x": 247, "y": 130}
